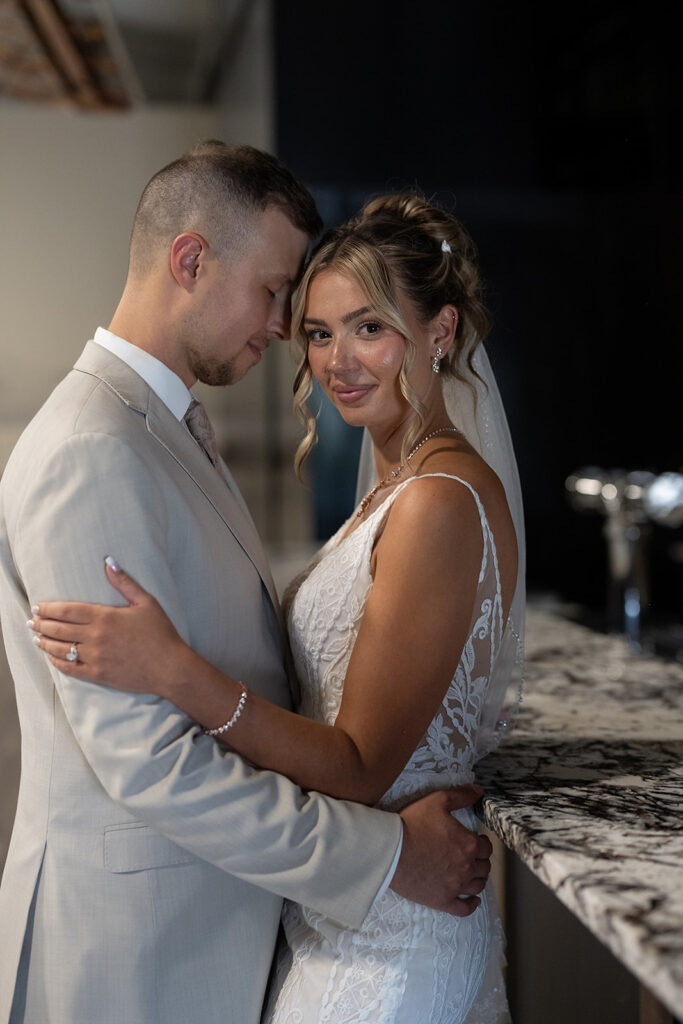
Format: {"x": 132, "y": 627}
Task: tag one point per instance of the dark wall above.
{"x": 556, "y": 138}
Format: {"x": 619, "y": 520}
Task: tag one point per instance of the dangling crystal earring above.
{"x": 436, "y": 361}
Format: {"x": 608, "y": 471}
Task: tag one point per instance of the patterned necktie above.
{"x": 199, "y": 425}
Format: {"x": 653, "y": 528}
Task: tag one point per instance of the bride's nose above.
{"x": 340, "y": 355}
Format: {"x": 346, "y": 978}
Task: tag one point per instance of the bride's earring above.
{"x": 436, "y": 361}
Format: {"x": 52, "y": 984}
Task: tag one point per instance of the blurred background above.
{"x": 552, "y": 132}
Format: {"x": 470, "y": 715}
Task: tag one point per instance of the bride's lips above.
{"x": 350, "y": 393}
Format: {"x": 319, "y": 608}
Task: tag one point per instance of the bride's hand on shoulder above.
{"x": 134, "y": 648}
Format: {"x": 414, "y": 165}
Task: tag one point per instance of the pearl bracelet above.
{"x": 219, "y": 730}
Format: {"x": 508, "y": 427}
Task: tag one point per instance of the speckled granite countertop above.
{"x": 588, "y": 791}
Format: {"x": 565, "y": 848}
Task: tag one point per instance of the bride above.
{"x": 405, "y": 629}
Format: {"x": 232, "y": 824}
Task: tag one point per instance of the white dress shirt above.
{"x": 165, "y": 384}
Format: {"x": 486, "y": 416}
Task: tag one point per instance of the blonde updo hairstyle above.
{"x": 395, "y": 245}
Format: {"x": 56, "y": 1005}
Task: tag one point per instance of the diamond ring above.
{"x": 72, "y": 653}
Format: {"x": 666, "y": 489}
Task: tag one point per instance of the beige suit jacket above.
{"x": 146, "y": 868}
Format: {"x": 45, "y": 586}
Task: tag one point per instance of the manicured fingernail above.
{"x": 35, "y": 610}
{"x": 112, "y": 563}
{"x": 29, "y": 623}
{"x": 36, "y": 640}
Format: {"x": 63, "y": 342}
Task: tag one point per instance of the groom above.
{"x": 147, "y": 865}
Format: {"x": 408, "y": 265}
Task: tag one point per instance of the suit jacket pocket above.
{"x": 137, "y": 847}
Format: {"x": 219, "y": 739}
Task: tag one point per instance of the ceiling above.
{"x": 103, "y": 54}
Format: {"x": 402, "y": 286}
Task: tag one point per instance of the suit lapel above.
{"x": 221, "y": 492}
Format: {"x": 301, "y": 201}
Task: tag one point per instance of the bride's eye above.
{"x": 370, "y": 328}
{"x": 318, "y": 336}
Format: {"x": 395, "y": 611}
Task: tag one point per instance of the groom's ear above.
{"x": 187, "y": 251}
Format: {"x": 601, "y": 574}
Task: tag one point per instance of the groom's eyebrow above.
{"x": 285, "y": 279}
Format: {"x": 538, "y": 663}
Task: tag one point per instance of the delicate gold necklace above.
{"x": 399, "y": 469}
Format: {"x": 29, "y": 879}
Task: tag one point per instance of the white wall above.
{"x": 69, "y": 183}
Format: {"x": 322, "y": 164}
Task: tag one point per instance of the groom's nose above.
{"x": 280, "y": 320}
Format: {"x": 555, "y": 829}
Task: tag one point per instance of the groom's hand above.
{"x": 442, "y": 864}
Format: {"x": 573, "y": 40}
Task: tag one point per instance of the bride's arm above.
{"x": 410, "y": 640}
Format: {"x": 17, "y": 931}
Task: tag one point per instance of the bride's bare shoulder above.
{"x": 463, "y": 461}
{"x": 432, "y": 501}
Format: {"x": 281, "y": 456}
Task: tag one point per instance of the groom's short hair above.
{"x": 216, "y": 190}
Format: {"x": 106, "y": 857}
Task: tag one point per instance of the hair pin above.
{"x": 445, "y": 247}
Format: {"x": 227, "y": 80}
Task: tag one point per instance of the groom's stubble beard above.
{"x": 212, "y": 371}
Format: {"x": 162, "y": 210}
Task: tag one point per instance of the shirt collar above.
{"x": 166, "y": 384}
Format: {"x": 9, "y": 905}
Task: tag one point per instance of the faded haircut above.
{"x": 216, "y": 190}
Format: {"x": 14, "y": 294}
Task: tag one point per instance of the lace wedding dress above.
{"x": 407, "y": 964}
